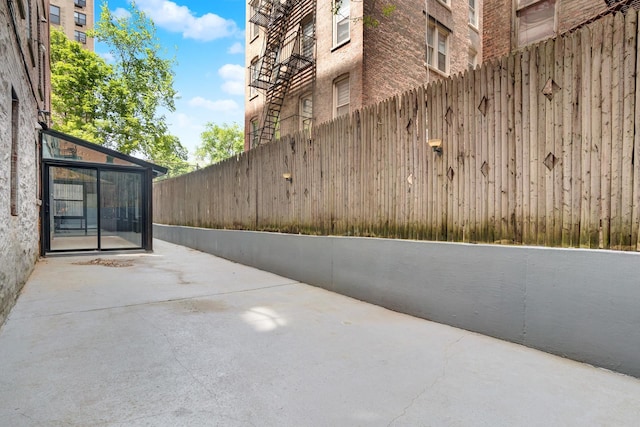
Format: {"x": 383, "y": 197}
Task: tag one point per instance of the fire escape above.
{"x": 285, "y": 53}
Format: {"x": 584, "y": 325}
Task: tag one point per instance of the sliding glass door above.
{"x": 120, "y": 210}
{"x": 73, "y": 208}
{"x": 93, "y": 209}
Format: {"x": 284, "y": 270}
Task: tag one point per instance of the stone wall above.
{"x": 19, "y": 234}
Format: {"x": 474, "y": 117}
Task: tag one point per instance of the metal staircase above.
{"x": 283, "y": 56}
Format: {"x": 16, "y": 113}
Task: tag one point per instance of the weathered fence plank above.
{"x": 537, "y": 148}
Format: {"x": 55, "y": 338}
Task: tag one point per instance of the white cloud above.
{"x": 232, "y": 72}
{"x": 233, "y": 87}
{"x": 182, "y": 120}
{"x": 121, "y": 13}
{"x": 235, "y": 48}
{"x": 219, "y": 105}
{"x": 233, "y": 76}
{"x": 180, "y": 19}
{"x": 108, "y": 57}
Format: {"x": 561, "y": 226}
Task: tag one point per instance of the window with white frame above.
{"x": 54, "y": 14}
{"x": 254, "y": 28}
{"x": 473, "y": 13}
{"x": 254, "y": 71}
{"x": 80, "y": 37}
{"x": 307, "y": 37}
{"x": 341, "y": 96}
{"x": 341, "y": 21}
{"x": 253, "y": 137}
{"x": 438, "y": 47}
{"x": 80, "y": 18}
{"x": 536, "y": 20}
{"x": 472, "y": 59}
{"x": 306, "y": 111}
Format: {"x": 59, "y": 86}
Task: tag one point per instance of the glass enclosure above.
{"x": 94, "y": 198}
{"x": 61, "y": 149}
{"x": 120, "y": 210}
{"x": 73, "y": 208}
{"x": 78, "y": 222}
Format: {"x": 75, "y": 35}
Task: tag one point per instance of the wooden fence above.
{"x": 538, "y": 148}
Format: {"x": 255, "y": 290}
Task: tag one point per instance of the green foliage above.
{"x": 142, "y": 84}
{"x": 369, "y": 21}
{"x": 220, "y": 142}
{"x": 176, "y": 161}
{"x": 78, "y": 77}
{"x": 169, "y": 153}
{"x": 117, "y": 104}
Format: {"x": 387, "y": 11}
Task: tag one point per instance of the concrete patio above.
{"x": 182, "y": 338}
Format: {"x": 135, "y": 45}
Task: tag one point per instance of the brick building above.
{"x": 511, "y": 24}
{"x": 24, "y": 106}
{"x": 74, "y": 18}
{"x": 309, "y": 65}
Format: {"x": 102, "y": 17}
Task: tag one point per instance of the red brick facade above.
{"x": 380, "y": 61}
{"x": 500, "y": 21}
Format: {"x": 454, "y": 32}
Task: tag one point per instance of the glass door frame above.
{"x": 46, "y": 210}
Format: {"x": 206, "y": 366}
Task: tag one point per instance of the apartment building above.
{"x": 513, "y": 24}
{"x": 24, "y": 106}
{"x": 74, "y": 18}
{"x": 313, "y": 60}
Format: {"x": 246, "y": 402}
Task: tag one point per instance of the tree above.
{"x": 220, "y": 142}
{"x": 369, "y": 20}
{"x": 78, "y": 77}
{"x": 117, "y": 104}
{"x": 142, "y": 84}
{"x": 175, "y": 160}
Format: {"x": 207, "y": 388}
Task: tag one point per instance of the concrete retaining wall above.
{"x": 581, "y": 304}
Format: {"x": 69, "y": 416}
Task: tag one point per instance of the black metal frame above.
{"x": 146, "y": 169}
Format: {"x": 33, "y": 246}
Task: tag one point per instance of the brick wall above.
{"x": 499, "y": 22}
{"x": 333, "y": 62}
{"x": 574, "y": 12}
{"x": 497, "y": 29}
{"x": 19, "y": 234}
{"x": 395, "y": 52}
{"x": 380, "y": 61}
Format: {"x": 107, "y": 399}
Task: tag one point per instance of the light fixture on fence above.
{"x": 287, "y": 176}
{"x": 436, "y": 144}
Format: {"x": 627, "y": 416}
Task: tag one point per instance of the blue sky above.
{"x": 207, "y": 40}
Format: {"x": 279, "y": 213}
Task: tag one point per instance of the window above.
{"x": 473, "y": 14}
{"x": 253, "y": 138}
{"x": 80, "y": 18}
{"x": 341, "y": 19}
{"x": 307, "y": 37}
{"x": 80, "y": 3}
{"x": 341, "y": 96}
{"x": 14, "y": 152}
{"x": 254, "y": 28}
{"x": 306, "y": 111}
{"x": 54, "y": 14}
{"x": 276, "y": 129}
{"x": 255, "y": 73}
{"x": 536, "y": 20}
{"x": 80, "y": 37}
{"x": 473, "y": 59}
{"x": 438, "y": 47}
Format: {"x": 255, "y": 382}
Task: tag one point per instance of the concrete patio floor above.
{"x": 182, "y": 338}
